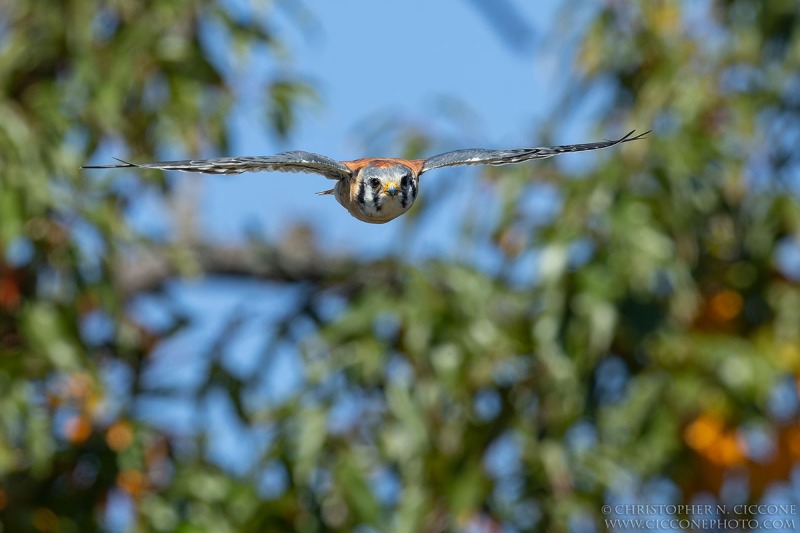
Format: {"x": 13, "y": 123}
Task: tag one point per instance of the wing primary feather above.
{"x": 285, "y": 162}
{"x": 479, "y": 156}
{"x": 124, "y": 164}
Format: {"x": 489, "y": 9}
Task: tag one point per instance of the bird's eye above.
{"x": 374, "y": 183}
{"x": 404, "y": 181}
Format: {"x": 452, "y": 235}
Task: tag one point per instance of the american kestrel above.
{"x": 373, "y": 189}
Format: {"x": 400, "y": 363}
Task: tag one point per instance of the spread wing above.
{"x": 284, "y": 162}
{"x": 478, "y": 156}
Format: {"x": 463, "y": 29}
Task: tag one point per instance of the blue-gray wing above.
{"x": 284, "y": 162}
{"x": 478, "y": 156}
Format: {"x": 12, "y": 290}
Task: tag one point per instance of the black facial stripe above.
{"x": 413, "y": 190}
{"x": 362, "y": 189}
{"x": 404, "y": 197}
{"x": 376, "y": 201}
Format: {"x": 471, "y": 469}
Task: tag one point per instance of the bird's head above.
{"x": 382, "y": 190}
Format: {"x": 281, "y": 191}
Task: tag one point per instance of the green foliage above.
{"x": 644, "y": 346}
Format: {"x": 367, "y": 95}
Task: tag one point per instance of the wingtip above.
{"x": 124, "y": 164}
{"x": 628, "y": 137}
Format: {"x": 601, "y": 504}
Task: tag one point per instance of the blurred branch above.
{"x": 150, "y": 270}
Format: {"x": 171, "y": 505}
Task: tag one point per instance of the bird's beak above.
{"x": 391, "y": 188}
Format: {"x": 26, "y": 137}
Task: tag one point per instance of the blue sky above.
{"x": 440, "y": 67}
{"x": 369, "y": 60}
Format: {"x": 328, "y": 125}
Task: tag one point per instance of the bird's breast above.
{"x": 351, "y": 195}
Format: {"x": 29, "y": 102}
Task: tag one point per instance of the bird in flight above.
{"x": 373, "y": 189}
